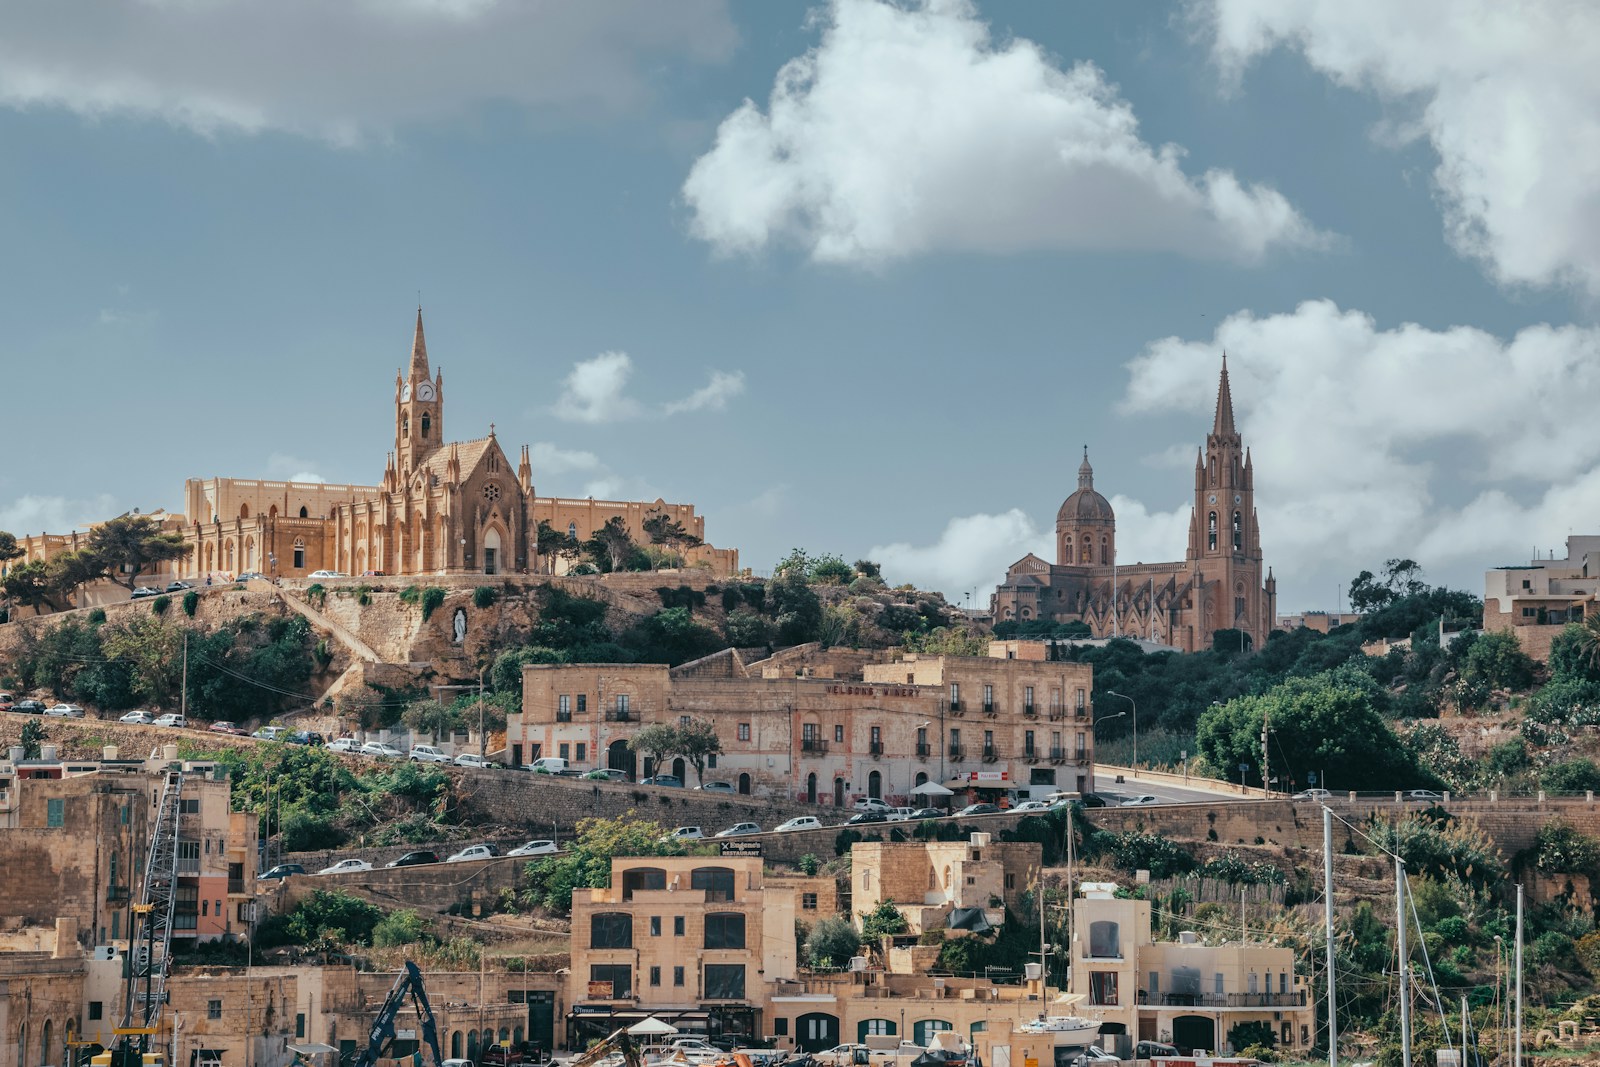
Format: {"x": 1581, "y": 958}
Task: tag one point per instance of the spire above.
{"x": 1224, "y": 420}
{"x": 1085, "y": 472}
{"x": 419, "y": 352}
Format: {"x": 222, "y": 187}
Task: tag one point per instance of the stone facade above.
{"x": 1536, "y": 600}
{"x": 928, "y": 881}
{"x": 1219, "y": 584}
{"x": 830, "y": 731}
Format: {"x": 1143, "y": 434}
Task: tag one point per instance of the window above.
{"x": 186, "y": 909}
{"x": 922, "y": 737}
{"x": 583, "y": 751}
{"x": 1217, "y": 983}
{"x": 1027, "y": 741}
{"x": 1211, "y": 530}
{"x": 716, "y": 881}
{"x": 300, "y": 548}
{"x": 677, "y": 926}
{"x": 683, "y": 721}
{"x": 300, "y": 1024}
{"x": 780, "y": 1027}
{"x": 126, "y": 809}
{"x": 189, "y": 806}
{"x": 1283, "y": 981}
{"x": 1155, "y": 982}
{"x": 725, "y": 930}
{"x": 1105, "y": 940}
{"x": 55, "y": 812}
{"x": 655, "y": 976}
{"x": 572, "y": 529}
{"x": 724, "y": 981}
{"x": 205, "y": 907}
{"x": 1103, "y": 988}
{"x": 1082, "y": 701}
{"x": 610, "y": 929}
{"x": 620, "y": 975}
{"x": 622, "y": 703}
{"x": 1238, "y": 532}
{"x": 583, "y": 703}
{"x": 877, "y": 735}
{"x": 565, "y": 750}
{"x": 1254, "y": 981}
{"x": 808, "y": 902}
{"x": 427, "y": 423}
{"x": 955, "y": 738}
{"x": 97, "y": 1010}
{"x": 988, "y": 696}
{"x": 1027, "y": 695}
{"x": 638, "y": 879}
{"x": 838, "y": 735}
{"x": 655, "y": 926}
{"x": 744, "y": 731}
{"x": 677, "y": 976}
{"x": 563, "y": 705}
{"x": 955, "y": 694}
{"x": 213, "y": 1009}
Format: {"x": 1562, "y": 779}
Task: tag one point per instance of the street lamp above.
{"x": 1135, "y": 708}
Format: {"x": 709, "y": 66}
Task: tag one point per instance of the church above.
{"x": 1218, "y": 585}
{"x": 441, "y": 507}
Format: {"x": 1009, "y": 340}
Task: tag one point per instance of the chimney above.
{"x": 47, "y": 752}
{"x": 66, "y": 938}
{"x": 16, "y": 753}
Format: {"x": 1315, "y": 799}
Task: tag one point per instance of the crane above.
{"x": 150, "y": 939}
{"x": 381, "y": 1036}
{"x": 617, "y": 1042}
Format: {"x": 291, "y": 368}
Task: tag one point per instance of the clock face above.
{"x": 424, "y": 391}
{"x": 1237, "y": 499}
{"x": 405, "y": 392}
{"x": 1212, "y": 499}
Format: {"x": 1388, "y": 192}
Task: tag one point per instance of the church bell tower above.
{"x": 419, "y": 408}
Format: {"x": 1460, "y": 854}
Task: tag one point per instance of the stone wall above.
{"x": 472, "y": 885}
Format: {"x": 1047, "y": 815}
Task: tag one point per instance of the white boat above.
{"x": 1065, "y": 1029}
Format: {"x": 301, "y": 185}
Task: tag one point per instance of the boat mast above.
{"x": 1516, "y": 1059}
{"x": 1405, "y": 983}
{"x": 1327, "y": 915}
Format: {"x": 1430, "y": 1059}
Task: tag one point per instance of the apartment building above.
{"x": 1536, "y": 600}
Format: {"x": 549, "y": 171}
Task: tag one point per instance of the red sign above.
{"x": 600, "y": 991}
{"x": 872, "y": 691}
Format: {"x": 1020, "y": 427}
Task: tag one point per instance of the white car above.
{"x": 1312, "y": 794}
{"x": 901, "y": 814}
{"x": 472, "y": 759}
{"x": 534, "y": 848}
{"x": 685, "y": 833}
{"x": 138, "y": 718}
{"x": 872, "y": 804}
{"x": 381, "y": 750}
{"x": 740, "y": 829}
{"x": 716, "y": 787}
{"x": 171, "y": 718}
{"x": 270, "y": 733}
{"x": 1032, "y": 805}
{"x": 329, "y": 574}
{"x": 64, "y": 711}
{"x": 473, "y": 852}
{"x": 801, "y": 822}
{"x": 426, "y": 754}
{"x": 344, "y": 744}
{"x": 1139, "y": 802}
{"x": 347, "y": 867}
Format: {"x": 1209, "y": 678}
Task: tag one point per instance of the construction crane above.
{"x": 150, "y": 940}
{"x": 617, "y": 1042}
{"x": 381, "y": 1036}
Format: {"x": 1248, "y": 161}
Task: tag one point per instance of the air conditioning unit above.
{"x": 105, "y": 952}
{"x": 938, "y": 988}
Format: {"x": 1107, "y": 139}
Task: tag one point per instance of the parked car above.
{"x": 535, "y": 848}
{"x": 381, "y": 750}
{"x": 143, "y": 591}
{"x": 29, "y": 707}
{"x": 328, "y": 574}
{"x": 863, "y": 817}
{"x": 1145, "y": 1050}
{"x": 928, "y": 813}
{"x": 224, "y": 727}
{"x": 1144, "y": 800}
{"x": 801, "y": 822}
{"x": 282, "y": 870}
{"x": 64, "y": 711}
{"x": 474, "y": 852}
{"x": 671, "y": 781}
{"x": 1092, "y": 800}
{"x": 426, "y": 754}
{"x": 717, "y": 787}
{"x": 6, "y": 703}
{"x": 347, "y": 867}
{"x": 179, "y": 586}
{"x": 608, "y": 774}
{"x": 415, "y": 858}
{"x": 740, "y": 829}
{"x": 304, "y": 737}
{"x": 685, "y": 833}
{"x": 1312, "y": 794}
{"x": 1032, "y": 805}
{"x": 548, "y": 765}
{"x": 270, "y": 733}
{"x": 1427, "y": 796}
{"x": 901, "y": 814}
{"x": 171, "y": 718}
{"x": 472, "y": 759}
{"x": 344, "y": 744}
{"x": 137, "y": 718}
{"x": 248, "y": 575}
{"x": 872, "y": 804}
{"x": 980, "y": 809}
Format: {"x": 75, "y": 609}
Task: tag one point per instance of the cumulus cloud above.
{"x": 548, "y": 458}
{"x": 293, "y": 469}
{"x": 972, "y": 552}
{"x": 1506, "y": 93}
{"x": 1454, "y": 447}
{"x": 342, "y": 72}
{"x": 909, "y": 129}
{"x": 32, "y": 514}
{"x": 596, "y": 391}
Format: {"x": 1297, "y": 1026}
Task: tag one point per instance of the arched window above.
{"x": 244, "y": 511}
{"x": 1211, "y": 530}
{"x": 611, "y": 929}
{"x": 642, "y": 879}
{"x": 304, "y": 514}
{"x": 921, "y": 779}
{"x": 716, "y": 881}
{"x": 427, "y": 424}
{"x": 572, "y": 530}
{"x": 272, "y": 512}
{"x": 405, "y": 426}
{"x": 299, "y": 553}
{"x": 1105, "y": 550}
{"x": 1238, "y": 531}
{"x": 1105, "y": 940}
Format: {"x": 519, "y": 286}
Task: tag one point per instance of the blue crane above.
{"x": 381, "y": 1036}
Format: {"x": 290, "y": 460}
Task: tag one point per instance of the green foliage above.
{"x": 316, "y": 592}
{"x": 432, "y": 597}
{"x": 1572, "y": 776}
{"x": 682, "y": 597}
{"x": 883, "y": 921}
{"x": 830, "y": 570}
{"x": 191, "y": 601}
{"x": 796, "y": 610}
{"x": 325, "y": 917}
{"x": 808, "y": 864}
{"x": 160, "y": 604}
{"x": 656, "y": 741}
{"x": 403, "y": 927}
{"x": 587, "y": 861}
{"x": 97, "y": 616}
{"x": 1561, "y": 849}
{"x": 672, "y": 636}
{"x": 746, "y": 629}
{"x": 697, "y": 742}
{"x": 948, "y": 641}
{"x": 612, "y": 548}
{"x": 131, "y": 543}
{"x": 1507, "y": 758}
{"x": 484, "y": 596}
{"x": 1575, "y": 652}
{"x": 1136, "y": 850}
{"x": 432, "y": 718}
{"x": 1435, "y": 845}
{"x": 831, "y": 943}
{"x": 1257, "y": 1032}
{"x": 411, "y": 594}
{"x": 33, "y": 735}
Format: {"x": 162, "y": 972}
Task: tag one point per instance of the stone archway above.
{"x": 619, "y": 757}
{"x": 492, "y": 558}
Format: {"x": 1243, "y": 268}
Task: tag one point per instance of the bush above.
{"x": 1573, "y": 776}
{"x": 808, "y": 864}
{"x": 1563, "y": 850}
{"x": 191, "y": 601}
{"x": 831, "y": 943}
{"x": 411, "y": 594}
{"x": 326, "y": 916}
{"x": 432, "y": 597}
{"x": 484, "y": 596}
{"x": 404, "y": 927}
{"x": 160, "y": 604}
{"x": 97, "y": 616}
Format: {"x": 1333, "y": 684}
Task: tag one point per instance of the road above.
{"x": 1115, "y": 792}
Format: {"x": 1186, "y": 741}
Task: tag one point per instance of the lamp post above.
{"x": 1101, "y": 719}
{"x": 1135, "y": 708}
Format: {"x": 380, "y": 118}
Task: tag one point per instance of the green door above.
{"x": 542, "y": 1018}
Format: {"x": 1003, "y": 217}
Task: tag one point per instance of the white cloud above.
{"x": 909, "y": 129}
{"x": 547, "y": 458}
{"x": 30, "y": 514}
{"x": 347, "y": 71}
{"x": 1506, "y": 93}
{"x": 596, "y": 391}
{"x": 713, "y": 396}
{"x": 293, "y": 469}
{"x": 1453, "y": 447}
{"x": 972, "y": 552}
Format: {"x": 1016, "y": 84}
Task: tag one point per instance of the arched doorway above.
{"x": 44, "y": 1041}
{"x": 875, "y": 785}
{"x": 619, "y": 757}
{"x": 922, "y": 779}
{"x": 811, "y": 788}
{"x": 455, "y": 1045}
{"x": 838, "y": 792}
{"x": 680, "y": 770}
{"x": 744, "y": 783}
{"x": 244, "y": 511}
{"x": 816, "y": 1031}
{"x": 491, "y": 551}
{"x": 1194, "y": 1031}
{"x": 472, "y": 1045}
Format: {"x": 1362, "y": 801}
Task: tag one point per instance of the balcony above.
{"x": 1030, "y": 711}
{"x": 1296, "y": 999}
{"x": 116, "y": 893}
{"x": 957, "y": 708}
{"x": 1058, "y": 755}
{"x": 236, "y": 887}
{"x": 990, "y": 754}
{"x": 619, "y": 715}
{"x": 1081, "y": 755}
{"x": 814, "y": 746}
{"x": 924, "y": 750}
{"x": 1030, "y": 754}
{"x": 563, "y": 716}
{"x": 991, "y": 709}
{"x": 875, "y": 749}
{"x": 1080, "y": 712}
{"x": 958, "y": 752}
{"x": 1057, "y": 713}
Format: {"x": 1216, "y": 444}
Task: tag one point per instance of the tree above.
{"x": 9, "y": 549}
{"x": 656, "y": 742}
{"x": 1401, "y": 578}
{"x": 831, "y": 943}
{"x": 830, "y": 570}
{"x": 33, "y": 735}
{"x": 70, "y": 571}
{"x": 662, "y": 529}
{"x": 1254, "y": 1034}
{"x": 432, "y": 718}
{"x": 130, "y": 543}
{"x": 587, "y": 860}
{"x": 611, "y": 545}
{"x": 868, "y": 569}
{"x": 697, "y": 743}
{"x": 796, "y": 608}
{"x": 1575, "y": 652}
{"x": 746, "y": 629}
{"x": 885, "y": 920}
{"x": 548, "y": 542}
{"x": 30, "y": 586}
{"x": 1496, "y": 661}
{"x": 153, "y": 652}
{"x": 1573, "y": 776}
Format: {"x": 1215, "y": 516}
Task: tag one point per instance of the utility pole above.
{"x": 482, "y": 741}
{"x": 183, "y": 700}
{"x": 1266, "y": 781}
{"x": 1327, "y": 916}
{"x": 1402, "y": 954}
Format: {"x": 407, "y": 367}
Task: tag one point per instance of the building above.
{"x": 944, "y": 885}
{"x": 1320, "y": 621}
{"x": 1536, "y": 600}
{"x": 1186, "y": 992}
{"x": 1218, "y": 585}
{"x": 827, "y": 729}
{"x": 44, "y": 547}
{"x": 696, "y": 941}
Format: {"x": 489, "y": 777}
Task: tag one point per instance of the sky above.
{"x": 855, "y": 276}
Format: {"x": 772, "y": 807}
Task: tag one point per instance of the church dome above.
{"x": 1085, "y": 505}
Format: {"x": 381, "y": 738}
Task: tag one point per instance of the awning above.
{"x": 970, "y": 919}
{"x": 931, "y": 789}
{"x": 310, "y": 1048}
{"x": 652, "y": 1027}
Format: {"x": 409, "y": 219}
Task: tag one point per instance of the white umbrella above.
{"x": 931, "y": 789}
{"x": 652, "y": 1027}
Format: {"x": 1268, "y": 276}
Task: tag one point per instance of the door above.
{"x": 838, "y": 792}
{"x": 542, "y": 1018}
{"x": 491, "y": 551}
{"x": 816, "y": 1031}
{"x": 680, "y": 770}
{"x": 1194, "y": 1031}
{"x": 922, "y": 1030}
{"x": 744, "y": 783}
{"x": 874, "y": 1028}
{"x": 619, "y": 757}
{"x": 875, "y": 785}
{"x": 811, "y": 788}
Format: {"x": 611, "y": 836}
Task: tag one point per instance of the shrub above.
{"x": 1563, "y": 850}
{"x": 411, "y": 594}
{"x": 831, "y": 943}
{"x": 484, "y": 596}
{"x": 97, "y": 616}
{"x": 432, "y": 597}
{"x": 316, "y": 593}
{"x": 404, "y": 927}
{"x": 1573, "y": 776}
{"x": 160, "y": 604}
{"x": 808, "y": 864}
{"x": 191, "y": 601}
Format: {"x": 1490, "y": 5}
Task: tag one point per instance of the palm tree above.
{"x": 1587, "y": 645}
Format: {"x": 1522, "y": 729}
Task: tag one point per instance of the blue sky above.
{"x": 858, "y": 277}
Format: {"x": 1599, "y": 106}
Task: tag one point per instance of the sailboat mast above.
{"x": 1516, "y": 1058}
{"x": 1327, "y": 915}
{"x": 1401, "y": 952}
